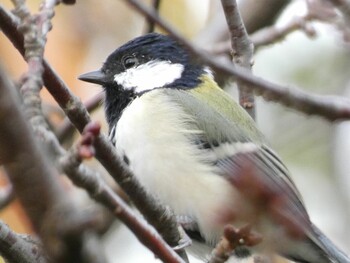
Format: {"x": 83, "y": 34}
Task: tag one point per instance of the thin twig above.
{"x": 331, "y": 108}
{"x": 273, "y": 34}
{"x": 20, "y": 248}
{"x": 35, "y": 29}
{"x": 242, "y": 51}
{"x": 316, "y": 11}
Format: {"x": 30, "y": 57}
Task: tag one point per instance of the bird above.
{"x": 197, "y": 151}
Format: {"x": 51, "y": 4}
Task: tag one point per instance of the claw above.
{"x": 185, "y": 240}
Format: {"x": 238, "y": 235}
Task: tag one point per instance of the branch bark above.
{"x": 44, "y": 201}
{"x": 156, "y": 215}
{"x": 16, "y": 248}
{"x": 242, "y": 51}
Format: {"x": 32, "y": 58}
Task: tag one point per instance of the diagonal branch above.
{"x": 155, "y": 214}
{"x": 331, "y": 108}
{"x": 269, "y": 35}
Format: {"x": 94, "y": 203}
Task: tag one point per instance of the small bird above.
{"x": 183, "y": 138}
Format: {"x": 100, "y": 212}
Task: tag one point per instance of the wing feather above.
{"x": 226, "y": 129}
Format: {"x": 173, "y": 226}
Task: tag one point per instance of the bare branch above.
{"x": 20, "y": 248}
{"x": 99, "y": 190}
{"x": 317, "y": 11}
{"x": 62, "y": 241}
{"x": 155, "y": 214}
{"x": 242, "y": 51}
{"x": 329, "y": 107}
{"x": 45, "y": 201}
{"x": 35, "y": 29}
{"x": 242, "y": 48}
{"x": 273, "y": 34}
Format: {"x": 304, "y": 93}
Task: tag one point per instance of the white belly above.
{"x": 153, "y": 134}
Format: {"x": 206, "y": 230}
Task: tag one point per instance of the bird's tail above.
{"x": 319, "y": 249}
{"x": 332, "y": 251}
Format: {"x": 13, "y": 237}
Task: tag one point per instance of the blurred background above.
{"x": 316, "y": 151}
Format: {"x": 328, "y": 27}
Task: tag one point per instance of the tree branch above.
{"x": 35, "y": 29}
{"x": 273, "y": 34}
{"x": 155, "y": 214}
{"x": 329, "y": 107}
{"x": 242, "y": 51}
{"x": 45, "y": 201}
{"x": 16, "y": 248}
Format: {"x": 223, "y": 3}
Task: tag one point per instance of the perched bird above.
{"x": 183, "y": 138}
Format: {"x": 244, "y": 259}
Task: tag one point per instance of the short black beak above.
{"x": 96, "y": 77}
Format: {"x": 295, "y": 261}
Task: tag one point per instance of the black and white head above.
{"x": 145, "y": 63}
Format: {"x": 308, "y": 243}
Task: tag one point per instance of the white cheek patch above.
{"x": 153, "y": 74}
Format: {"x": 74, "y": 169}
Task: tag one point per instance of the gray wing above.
{"x": 232, "y": 130}
{"x": 228, "y": 127}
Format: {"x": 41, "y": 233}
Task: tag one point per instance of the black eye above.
{"x": 130, "y": 62}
